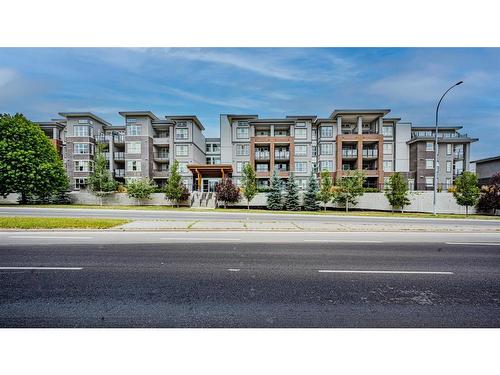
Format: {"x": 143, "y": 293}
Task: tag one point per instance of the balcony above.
{"x": 162, "y": 173}
{"x": 262, "y": 155}
{"x": 430, "y": 134}
{"x": 279, "y": 168}
{"x": 119, "y": 172}
{"x": 119, "y": 156}
{"x": 458, "y": 155}
{"x": 107, "y": 155}
{"x": 161, "y": 140}
{"x": 119, "y": 138}
{"x": 370, "y": 153}
{"x": 161, "y": 155}
{"x": 349, "y": 153}
{"x": 103, "y": 138}
{"x": 282, "y": 155}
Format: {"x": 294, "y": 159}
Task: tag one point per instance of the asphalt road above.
{"x": 341, "y": 282}
{"x": 217, "y": 215}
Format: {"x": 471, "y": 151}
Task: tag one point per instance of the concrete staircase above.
{"x": 202, "y": 200}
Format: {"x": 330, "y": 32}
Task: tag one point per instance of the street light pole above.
{"x": 436, "y": 148}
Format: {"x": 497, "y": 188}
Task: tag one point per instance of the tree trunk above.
{"x": 346, "y": 206}
{"x": 324, "y": 204}
{"x": 24, "y": 198}
{"x": 466, "y": 211}
{"x": 248, "y": 204}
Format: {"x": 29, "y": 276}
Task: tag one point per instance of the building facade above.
{"x": 486, "y": 168}
{"x": 145, "y": 146}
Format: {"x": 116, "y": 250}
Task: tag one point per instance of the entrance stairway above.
{"x": 202, "y": 200}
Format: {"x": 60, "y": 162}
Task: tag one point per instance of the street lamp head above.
{"x": 459, "y": 83}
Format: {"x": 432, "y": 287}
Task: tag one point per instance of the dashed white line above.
{"x": 200, "y": 239}
{"x": 53, "y": 237}
{"x": 474, "y": 243}
{"x": 389, "y": 272}
{"x": 43, "y": 268}
{"x": 233, "y": 269}
{"x": 344, "y": 241}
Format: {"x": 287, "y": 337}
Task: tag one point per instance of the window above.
{"x": 133, "y": 129}
{"x": 82, "y": 131}
{"x": 429, "y": 182}
{"x": 83, "y": 166}
{"x": 300, "y": 150}
{"x": 82, "y": 148}
{"x": 387, "y": 131}
{"x": 242, "y": 123}
{"x": 133, "y": 165}
{"x": 326, "y": 132}
{"x": 243, "y": 150}
{"x": 314, "y": 150}
{"x": 429, "y": 164}
{"x": 326, "y": 149}
{"x": 240, "y": 165}
{"x": 80, "y": 183}
{"x": 448, "y": 166}
{"x": 387, "y": 148}
{"x": 208, "y": 147}
{"x": 181, "y": 150}
{"x": 130, "y": 120}
{"x": 215, "y": 147}
{"x": 429, "y": 146}
{"x": 262, "y": 168}
{"x": 326, "y": 165}
{"x": 133, "y": 147}
{"x": 181, "y": 133}
{"x": 448, "y": 182}
{"x": 241, "y": 133}
{"x": 183, "y": 168}
{"x": 448, "y": 149}
{"x": 301, "y": 133}
{"x": 387, "y": 165}
{"x": 314, "y": 167}
{"x": 301, "y": 166}
{"x": 302, "y": 183}
{"x": 314, "y": 133}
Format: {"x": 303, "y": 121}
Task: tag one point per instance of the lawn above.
{"x": 20, "y": 222}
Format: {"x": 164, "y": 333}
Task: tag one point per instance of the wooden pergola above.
{"x": 210, "y": 170}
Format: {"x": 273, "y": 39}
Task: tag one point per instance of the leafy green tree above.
{"x": 29, "y": 163}
{"x": 292, "y": 202}
{"x": 350, "y": 187}
{"x": 274, "y": 196}
{"x": 100, "y": 180}
{"x": 227, "y": 192}
{"x": 325, "y": 192}
{"x": 249, "y": 183}
{"x": 466, "y": 191}
{"x": 311, "y": 194}
{"x": 141, "y": 189}
{"x": 174, "y": 187}
{"x": 397, "y": 191}
{"x": 490, "y": 195}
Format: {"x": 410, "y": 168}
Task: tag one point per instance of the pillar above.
{"x": 360, "y": 125}
{"x": 339, "y": 125}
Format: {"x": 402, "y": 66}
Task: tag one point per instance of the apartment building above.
{"x": 145, "y": 146}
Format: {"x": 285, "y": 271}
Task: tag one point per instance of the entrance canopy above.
{"x": 201, "y": 171}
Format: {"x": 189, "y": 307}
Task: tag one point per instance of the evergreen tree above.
{"x": 175, "y": 191}
{"x": 292, "y": 200}
{"x": 29, "y": 163}
{"x": 466, "y": 191}
{"x": 311, "y": 195}
{"x": 249, "y": 183}
{"x": 350, "y": 187}
{"x": 397, "y": 192}
{"x": 325, "y": 192}
{"x": 100, "y": 180}
{"x": 274, "y": 197}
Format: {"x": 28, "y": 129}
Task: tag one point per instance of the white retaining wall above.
{"x": 421, "y": 201}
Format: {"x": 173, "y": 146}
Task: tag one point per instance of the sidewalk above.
{"x": 299, "y": 226}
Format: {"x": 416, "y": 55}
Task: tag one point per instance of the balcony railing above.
{"x": 160, "y": 172}
{"x": 430, "y": 134}
{"x": 103, "y": 138}
{"x": 278, "y": 168}
{"x": 119, "y": 156}
{"x": 119, "y": 172}
{"x": 348, "y": 153}
{"x": 160, "y": 155}
{"x": 259, "y": 155}
{"x": 283, "y": 155}
{"x": 458, "y": 155}
{"x": 118, "y": 138}
{"x": 370, "y": 153}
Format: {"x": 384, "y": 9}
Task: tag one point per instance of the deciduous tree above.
{"x": 350, "y": 187}
{"x": 100, "y": 180}
{"x": 490, "y": 195}
{"x": 175, "y": 191}
{"x": 249, "y": 183}
{"x": 227, "y": 192}
{"x": 397, "y": 192}
{"x": 466, "y": 192}
{"x": 325, "y": 192}
{"x": 141, "y": 189}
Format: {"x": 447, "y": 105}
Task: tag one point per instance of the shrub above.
{"x": 227, "y": 192}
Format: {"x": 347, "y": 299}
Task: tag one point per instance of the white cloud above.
{"x": 238, "y": 102}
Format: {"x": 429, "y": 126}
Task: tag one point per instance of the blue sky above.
{"x": 269, "y": 82}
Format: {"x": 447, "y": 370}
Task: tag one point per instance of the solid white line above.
{"x": 43, "y": 268}
{"x": 474, "y": 243}
{"x": 200, "y": 239}
{"x": 348, "y": 241}
{"x": 389, "y": 272}
{"x": 233, "y": 269}
{"x": 52, "y": 237}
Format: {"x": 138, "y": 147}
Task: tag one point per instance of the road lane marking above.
{"x": 474, "y": 243}
{"x": 233, "y": 269}
{"x": 43, "y": 268}
{"x": 389, "y": 272}
{"x": 52, "y": 237}
{"x": 346, "y": 241}
{"x": 200, "y": 239}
